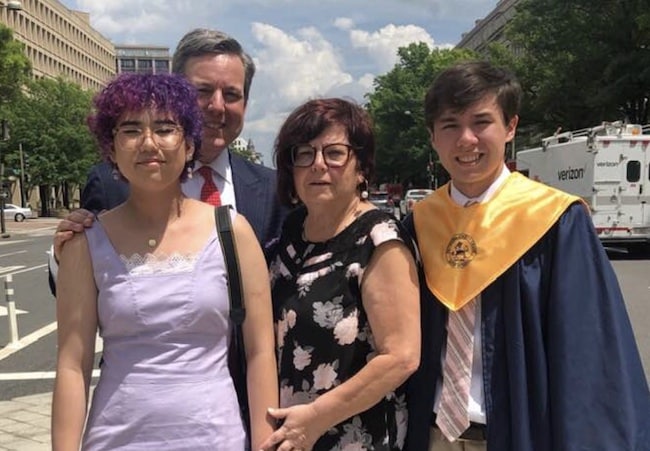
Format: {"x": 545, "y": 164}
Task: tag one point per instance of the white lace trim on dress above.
{"x": 149, "y": 264}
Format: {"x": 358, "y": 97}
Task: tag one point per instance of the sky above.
{"x": 302, "y": 48}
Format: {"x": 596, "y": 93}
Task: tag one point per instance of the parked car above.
{"x": 383, "y": 201}
{"x": 411, "y": 197}
{"x": 18, "y": 214}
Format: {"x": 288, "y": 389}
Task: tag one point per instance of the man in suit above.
{"x": 222, "y": 72}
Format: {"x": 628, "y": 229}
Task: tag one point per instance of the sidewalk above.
{"x": 31, "y": 226}
{"x": 25, "y": 423}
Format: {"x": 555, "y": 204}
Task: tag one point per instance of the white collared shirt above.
{"x": 222, "y": 175}
{"x": 476, "y": 407}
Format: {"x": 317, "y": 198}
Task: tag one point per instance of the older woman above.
{"x": 150, "y": 275}
{"x": 344, "y": 289}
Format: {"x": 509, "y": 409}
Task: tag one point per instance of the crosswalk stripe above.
{"x": 6, "y": 269}
{"x": 4, "y": 311}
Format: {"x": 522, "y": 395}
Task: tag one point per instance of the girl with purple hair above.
{"x": 149, "y": 275}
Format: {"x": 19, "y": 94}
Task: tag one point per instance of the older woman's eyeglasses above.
{"x": 164, "y": 136}
{"x": 335, "y": 155}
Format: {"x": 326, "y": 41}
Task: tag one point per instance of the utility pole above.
{"x": 3, "y": 193}
{"x": 23, "y": 201}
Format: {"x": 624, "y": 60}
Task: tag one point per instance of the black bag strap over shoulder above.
{"x": 229, "y": 250}
{"x": 236, "y": 350}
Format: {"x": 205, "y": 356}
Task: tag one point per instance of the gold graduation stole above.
{"x": 464, "y": 250}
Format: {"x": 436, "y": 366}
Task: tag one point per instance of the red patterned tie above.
{"x": 209, "y": 191}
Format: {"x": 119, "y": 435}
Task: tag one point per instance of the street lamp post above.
{"x": 432, "y": 171}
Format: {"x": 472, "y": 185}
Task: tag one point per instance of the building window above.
{"x": 162, "y": 66}
{"x": 145, "y": 66}
{"x": 127, "y": 65}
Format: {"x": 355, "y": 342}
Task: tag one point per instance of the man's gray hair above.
{"x": 203, "y": 41}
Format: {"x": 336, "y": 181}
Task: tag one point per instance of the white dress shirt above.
{"x": 476, "y": 407}
{"x": 222, "y": 176}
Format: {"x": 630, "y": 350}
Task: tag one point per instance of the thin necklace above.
{"x": 152, "y": 242}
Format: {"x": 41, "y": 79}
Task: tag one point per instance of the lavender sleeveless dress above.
{"x": 164, "y": 383}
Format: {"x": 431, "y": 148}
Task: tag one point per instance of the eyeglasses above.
{"x": 164, "y": 136}
{"x": 334, "y": 155}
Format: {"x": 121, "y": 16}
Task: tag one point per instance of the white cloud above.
{"x": 382, "y": 45}
{"x": 344, "y": 23}
{"x": 367, "y": 81}
{"x": 303, "y": 48}
{"x": 132, "y": 17}
{"x": 296, "y": 67}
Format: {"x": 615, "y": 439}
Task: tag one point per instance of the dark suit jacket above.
{"x": 102, "y": 192}
{"x": 255, "y": 195}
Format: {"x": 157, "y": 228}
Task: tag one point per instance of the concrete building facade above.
{"x": 58, "y": 42}
{"x": 142, "y": 59}
{"x": 490, "y": 28}
{"x": 61, "y": 42}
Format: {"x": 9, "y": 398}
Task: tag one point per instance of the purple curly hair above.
{"x": 127, "y": 93}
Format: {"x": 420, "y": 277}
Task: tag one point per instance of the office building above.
{"x": 490, "y": 28}
{"x": 61, "y": 42}
{"x": 142, "y": 59}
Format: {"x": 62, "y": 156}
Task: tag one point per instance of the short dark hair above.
{"x": 203, "y": 41}
{"x": 311, "y": 119}
{"x": 130, "y": 92}
{"x": 466, "y": 83}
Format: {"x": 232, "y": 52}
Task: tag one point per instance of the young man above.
{"x": 222, "y": 72}
{"x": 526, "y": 341}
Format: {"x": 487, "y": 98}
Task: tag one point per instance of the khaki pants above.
{"x": 438, "y": 442}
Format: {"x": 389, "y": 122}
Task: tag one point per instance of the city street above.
{"x": 27, "y": 367}
{"x": 23, "y": 256}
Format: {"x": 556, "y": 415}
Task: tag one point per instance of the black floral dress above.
{"x": 322, "y": 332}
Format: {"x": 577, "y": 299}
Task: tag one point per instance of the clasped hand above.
{"x": 299, "y": 431}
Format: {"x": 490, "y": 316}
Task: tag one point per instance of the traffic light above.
{"x": 5, "y": 130}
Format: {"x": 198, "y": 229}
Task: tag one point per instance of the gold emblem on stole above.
{"x": 461, "y": 250}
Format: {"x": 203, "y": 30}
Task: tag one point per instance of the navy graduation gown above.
{"x": 561, "y": 369}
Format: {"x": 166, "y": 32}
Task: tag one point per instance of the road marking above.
{"x": 34, "y": 375}
{"x": 13, "y": 253}
{"x": 12, "y": 242}
{"x": 4, "y": 311}
{"x": 19, "y": 271}
{"x": 12, "y": 348}
{"x": 9, "y": 269}
{"x": 27, "y": 340}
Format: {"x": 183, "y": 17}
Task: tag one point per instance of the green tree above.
{"x": 15, "y": 68}
{"x": 50, "y": 122}
{"x": 249, "y": 153}
{"x": 396, "y": 106}
{"x": 583, "y": 62}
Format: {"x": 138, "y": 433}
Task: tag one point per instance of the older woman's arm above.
{"x": 390, "y": 295}
{"x": 76, "y": 312}
{"x": 262, "y": 375}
